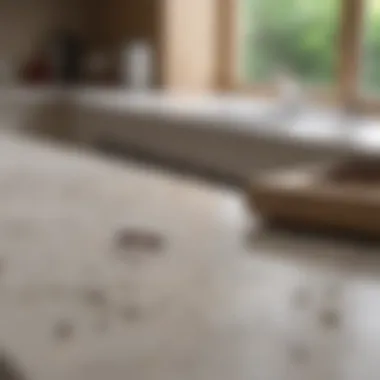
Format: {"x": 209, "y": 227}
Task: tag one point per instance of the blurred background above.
{"x": 189, "y": 189}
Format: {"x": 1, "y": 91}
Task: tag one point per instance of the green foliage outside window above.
{"x": 302, "y": 37}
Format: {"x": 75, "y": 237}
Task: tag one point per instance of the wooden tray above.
{"x": 342, "y": 196}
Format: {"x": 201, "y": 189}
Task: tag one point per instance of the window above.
{"x": 289, "y": 36}
{"x": 329, "y": 44}
{"x": 370, "y": 72}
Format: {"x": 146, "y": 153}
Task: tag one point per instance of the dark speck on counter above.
{"x": 138, "y": 240}
{"x": 330, "y": 319}
{"x": 63, "y": 330}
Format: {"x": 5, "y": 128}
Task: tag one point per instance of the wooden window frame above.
{"x": 346, "y": 93}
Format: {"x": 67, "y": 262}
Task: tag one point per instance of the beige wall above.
{"x": 24, "y": 23}
{"x": 190, "y": 45}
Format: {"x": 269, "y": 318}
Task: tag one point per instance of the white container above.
{"x": 137, "y": 65}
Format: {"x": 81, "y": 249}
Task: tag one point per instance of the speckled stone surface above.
{"x": 217, "y": 298}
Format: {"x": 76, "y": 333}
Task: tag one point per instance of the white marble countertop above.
{"x": 312, "y": 125}
{"x": 219, "y": 298}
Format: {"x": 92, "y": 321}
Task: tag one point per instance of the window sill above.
{"x": 314, "y": 126}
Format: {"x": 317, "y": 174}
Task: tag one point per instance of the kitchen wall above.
{"x": 123, "y": 21}
{"x": 183, "y": 34}
{"x": 25, "y": 23}
{"x": 112, "y": 24}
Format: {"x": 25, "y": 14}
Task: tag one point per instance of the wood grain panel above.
{"x": 351, "y": 35}
{"x": 190, "y": 39}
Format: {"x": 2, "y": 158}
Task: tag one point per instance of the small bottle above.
{"x": 137, "y": 65}
{"x": 290, "y": 93}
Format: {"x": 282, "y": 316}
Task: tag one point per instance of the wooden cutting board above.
{"x": 342, "y": 196}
